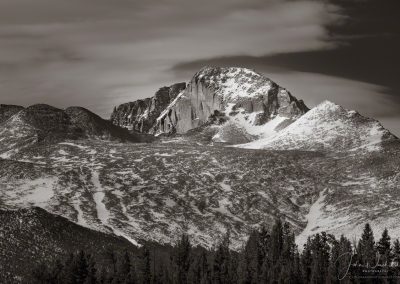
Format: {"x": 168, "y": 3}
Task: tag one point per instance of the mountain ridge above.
{"x": 141, "y": 115}
{"x": 239, "y": 106}
{"x": 327, "y": 126}
{"x": 195, "y": 180}
{"x": 214, "y": 89}
{"x": 42, "y": 123}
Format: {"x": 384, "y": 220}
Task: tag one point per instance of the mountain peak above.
{"x": 328, "y": 108}
{"x": 326, "y": 104}
{"x": 246, "y": 97}
{"x": 328, "y": 127}
{"x": 233, "y": 70}
{"x": 233, "y": 83}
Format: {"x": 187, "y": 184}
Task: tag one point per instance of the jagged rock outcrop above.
{"x": 234, "y": 91}
{"x": 141, "y": 115}
{"x": 246, "y": 98}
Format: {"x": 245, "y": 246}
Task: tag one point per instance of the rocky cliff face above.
{"x": 247, "y": 98}
{"x": 141, "y": 115}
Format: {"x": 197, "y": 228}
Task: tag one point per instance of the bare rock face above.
{"x": 246, "y": 97}
{"x": 141, "y": 115}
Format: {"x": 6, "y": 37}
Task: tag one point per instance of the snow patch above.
{"x": 326, "y": 127}
{"x": 312, "y": 220}
{"x": 74, "y": 145}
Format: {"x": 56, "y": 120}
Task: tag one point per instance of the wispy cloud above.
{"x": 101, "y": 53}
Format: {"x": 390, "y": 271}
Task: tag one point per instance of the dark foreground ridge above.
{"x": 45, "y": 248}
{"x": 31, "y": 236}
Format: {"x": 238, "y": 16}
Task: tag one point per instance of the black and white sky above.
{"x": 100, "y": 53}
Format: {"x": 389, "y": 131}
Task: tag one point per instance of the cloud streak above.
{"x": 101, "y": 53}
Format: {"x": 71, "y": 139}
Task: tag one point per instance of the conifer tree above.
{"x": 323, "y": 260}
{"x": 296, "y": 272}
{"x": 384, "y": 249}
{"x": 57, "y": 272}
{"x": 396, "y": 251}
{"x": 112, "y": 258}
{"x": 41, "y": 274}
{"x": 199, "y": 271}
{"x": 265, "y": 254}
{"x": 81, "y": 267}
{"x": 103, "y": 278}
{"x": 125, "y": 273}
{"x": 145, "y": 271}
{"x": 366, "y": 247}
{"x": 320, "y": 258}
{"x": 276, "y": 241}
{"x": 275, "y": 248}
{"x": 233, "y": 268}
{"x": 287, "y": 258}
{"x": 222, "y": 261}
{"x": 341, "y": 258}
{"x": 205, "y": 268}
{"x": 251, "y": 269}
{"x": 307, "y": 261}
{"x": 91, "y": 277}
{"x": 182, "y": 258}
{"x": 264, "y": 240}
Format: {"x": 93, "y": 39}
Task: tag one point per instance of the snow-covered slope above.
{"x": 329, "y": 127}
{"x": 349, "y": 175}
{"x": 248, "y": 100}
{"x": 157, "y": 191}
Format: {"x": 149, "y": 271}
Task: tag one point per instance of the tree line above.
{"x": 269, "y": 256}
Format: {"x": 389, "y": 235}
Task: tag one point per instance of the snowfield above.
{"x": 237, "y": 152}
{"x": 157, "y": 191}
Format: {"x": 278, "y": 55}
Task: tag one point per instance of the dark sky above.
{"x": 99, "y": 53}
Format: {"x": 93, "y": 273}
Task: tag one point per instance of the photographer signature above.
{"x": 345, "y": 257}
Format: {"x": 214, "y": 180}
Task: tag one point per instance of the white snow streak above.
{"x": 312, "y": 220}
{"x": 103, "y": 213}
